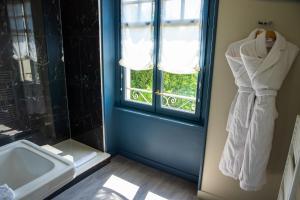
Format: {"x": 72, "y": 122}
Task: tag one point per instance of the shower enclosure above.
{"x": 33, "y": 98}
{"x": 50, "y": 83}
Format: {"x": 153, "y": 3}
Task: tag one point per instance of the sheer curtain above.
{"x": 179, "y": 49}
{"x": 137, "y": 35}
{"x": 180, "y": 37}
{"x": 137, "y": 48}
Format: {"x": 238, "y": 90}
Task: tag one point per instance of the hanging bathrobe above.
{"x": 240, "y": 112}
{"x": 266, "y": 70}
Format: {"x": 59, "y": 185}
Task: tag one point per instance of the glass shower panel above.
{"x": 33, "y": 103}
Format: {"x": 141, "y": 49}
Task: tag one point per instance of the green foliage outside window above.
{"x": 182, "y": 85}
{"x": 142, "y": 80}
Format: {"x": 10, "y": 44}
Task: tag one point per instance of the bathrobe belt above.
{"x": 251, "y": 100}
{"x": 265, "y": 92}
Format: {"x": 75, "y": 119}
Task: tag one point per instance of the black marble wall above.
{"x": 81, "y": 44}
{"x": 33, "y": 101}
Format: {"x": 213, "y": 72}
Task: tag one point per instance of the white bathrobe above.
{"x": 266, "y": 70}
{"x": 240, "y": 112}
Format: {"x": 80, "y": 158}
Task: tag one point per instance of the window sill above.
{"x": 159, "y": 116}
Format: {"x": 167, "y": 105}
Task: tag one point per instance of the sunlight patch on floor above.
{"x": 152, "y": 196}
{"x": 121, "y": 186}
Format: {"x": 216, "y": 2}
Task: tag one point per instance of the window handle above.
{"x": 157, "y": 92}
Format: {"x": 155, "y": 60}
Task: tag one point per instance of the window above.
{"x": 137, "y": 32}
{"x": 160, "y": 55}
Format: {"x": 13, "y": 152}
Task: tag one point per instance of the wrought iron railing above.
{"x": 170, "y": 101}
{"x": 140, "y": 95}
{"x": 178, "y": 102}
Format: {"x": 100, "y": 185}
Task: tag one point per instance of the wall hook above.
{"x": 265, "y": 23}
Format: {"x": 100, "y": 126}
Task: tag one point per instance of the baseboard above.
{"x": 160, "y": 166}
{"x": 207, "y": 196}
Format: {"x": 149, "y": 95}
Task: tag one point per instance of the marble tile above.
{"x": 35, "y": 101}
{"x": 82, "y": 60}
{"x": 81, "y": 18}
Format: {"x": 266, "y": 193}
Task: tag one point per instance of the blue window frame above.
{"x": 144, "y": 87}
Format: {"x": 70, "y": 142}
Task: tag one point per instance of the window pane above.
{"x": 146, "y": 12}
{"x": 137, "y": 47}
{"x": 137, "y": 33}
{"x": 137, "y": 38}
{"x": 137, "y": 11}
{"x": 130, "y": 13}
{"x": 180, "y": 46}
{"x": 180, "y": 56}
{"x": 192, "y": 9}
{"x": 171, "y": 10}
{"x": 179, "y": 91}
{"x": 139, "y": 86}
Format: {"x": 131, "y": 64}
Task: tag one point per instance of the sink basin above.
{"x": 31, "y": 171}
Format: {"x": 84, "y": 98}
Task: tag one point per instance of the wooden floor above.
{"x": 124, "y": 179}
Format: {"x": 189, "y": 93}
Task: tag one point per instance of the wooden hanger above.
{"x": 271, "y": 35}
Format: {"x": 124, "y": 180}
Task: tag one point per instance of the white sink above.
{"x": 31, "y": 171}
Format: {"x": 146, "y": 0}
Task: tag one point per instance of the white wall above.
{"x": 235, "y": 21}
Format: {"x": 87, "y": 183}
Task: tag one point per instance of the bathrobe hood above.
{"x": 267, "y": 70}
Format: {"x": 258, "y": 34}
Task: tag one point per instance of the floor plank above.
{"x": 124, "y": 179}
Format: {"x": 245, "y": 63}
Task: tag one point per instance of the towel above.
{"x": 6, "y": 193}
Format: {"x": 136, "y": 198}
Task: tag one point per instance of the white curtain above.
{"x": 180, "y": 37}
{"x": 180, "y": 48}
{"x": 137, "y": 48}
{"x": 21, "y": 27}
{"x": 137, "y": 35}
